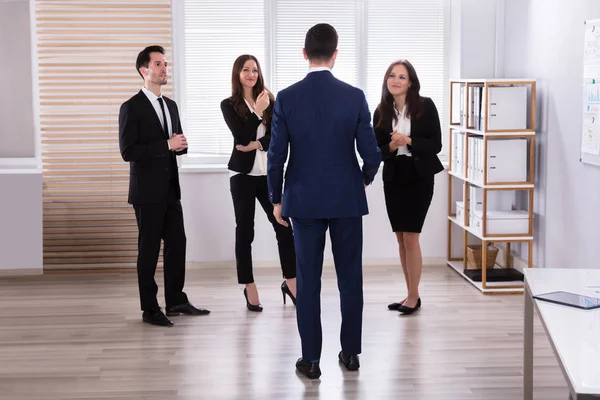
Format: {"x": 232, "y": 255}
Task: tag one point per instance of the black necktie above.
{"x": 165, "y": 124}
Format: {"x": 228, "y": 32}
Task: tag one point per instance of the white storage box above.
{"x": 507, "y": 108}
{"x": 507, "y": 160}
{"x": 514, "y": 222}
{"x": 460, "y": 212}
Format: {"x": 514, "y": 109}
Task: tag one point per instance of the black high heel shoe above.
{"x": 286, "y": 290}
{"x": 409, "y": 310}
{"x": 251, "y": 307}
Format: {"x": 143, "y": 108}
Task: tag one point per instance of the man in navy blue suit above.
{"x": 323, "y": 121}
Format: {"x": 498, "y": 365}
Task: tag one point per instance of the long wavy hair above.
{"x": 237, "y": 90}
{"x": 414, "y": 101}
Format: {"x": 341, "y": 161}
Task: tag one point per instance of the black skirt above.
{"x": 407, "y": 197}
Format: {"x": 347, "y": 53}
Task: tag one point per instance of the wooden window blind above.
{"x": 86, "y": 52}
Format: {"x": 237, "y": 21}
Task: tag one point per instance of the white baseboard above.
{"x": 429, "y": 261}
{"x": 21, "y": 272}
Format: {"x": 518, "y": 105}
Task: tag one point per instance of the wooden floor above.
{"x": 80, "y": 336}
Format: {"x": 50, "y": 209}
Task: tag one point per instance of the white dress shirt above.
{"x": 402, "y": 126}
{"x": 259, "y": 168}
{"x": 154, "y": 100}
{"x": 317, "y": 69}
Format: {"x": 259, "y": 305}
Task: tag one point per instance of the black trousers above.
{"x": 155, "y": 222}
{"x": 245, "y": 190}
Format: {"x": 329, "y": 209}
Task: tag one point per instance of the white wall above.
{"x": 477, "y": 37}
{"x": 20, "y": 176}
{"x": 210, "y": 223}
{"x": 544, "y": 40}
{"x": 21, "y": 219}
{"x": 17, "y": 135}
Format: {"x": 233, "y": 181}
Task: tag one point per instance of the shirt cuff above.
{"x": 169, "y": 145}
{"x": 257, "y": 116}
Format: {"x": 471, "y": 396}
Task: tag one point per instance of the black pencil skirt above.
{"x": 408, "y": 197}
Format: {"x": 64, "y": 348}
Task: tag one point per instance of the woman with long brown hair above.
{"x": 248, "y": 113}
{"x": 409, "y": 135}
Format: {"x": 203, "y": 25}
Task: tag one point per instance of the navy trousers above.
{"x": 346, "y": 244}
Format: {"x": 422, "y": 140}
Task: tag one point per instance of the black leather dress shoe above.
{"x": 350, "y": 361}
{"x": 156, "y": 317}
{"x": 309, "y": 369}
{"x": 187, "y": 309}
{"x": 394, "y": 306}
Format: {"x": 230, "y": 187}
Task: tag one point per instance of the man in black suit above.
{"x": 150, "y": 136}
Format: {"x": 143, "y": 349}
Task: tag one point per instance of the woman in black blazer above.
{"x": 248, "y": 114}
{"x": 409, "y": 136}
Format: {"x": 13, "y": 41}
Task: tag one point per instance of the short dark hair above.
{"x": 143, "y": 59}
{"x": 321, "y": 42}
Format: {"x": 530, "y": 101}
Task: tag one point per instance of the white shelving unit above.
{"x": 492, "y": 144}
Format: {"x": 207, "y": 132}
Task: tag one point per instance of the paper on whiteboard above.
{"x": 591, "y": 135}
{"x": 592, "y": 43}
{"x": 592, "y": 98}
{"x": 591, "y": 64}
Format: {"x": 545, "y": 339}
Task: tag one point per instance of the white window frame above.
{"x": 219, "y": 162}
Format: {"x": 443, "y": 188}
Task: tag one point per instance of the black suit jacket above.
{"x": 426, "y": 136}
{"x": 243, "y": 133}
{"x": 143, "y": 143}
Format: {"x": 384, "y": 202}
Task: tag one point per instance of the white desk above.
{"x": 573, "y": 333}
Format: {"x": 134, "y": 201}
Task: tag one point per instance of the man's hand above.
{"x": 277, "y": 213}
{"x": 178, "y": 142}
{"x": 254, "y": 145}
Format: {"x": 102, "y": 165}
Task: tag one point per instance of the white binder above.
{"x": 507, "y": 108}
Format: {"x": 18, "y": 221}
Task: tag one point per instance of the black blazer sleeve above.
{"x": 265, "y": 140}
{"x": 429, "y": 140}
{"x": 243, "y": 132}
{"x": 129, "y": 133}
{"x": 383, "y": 139}
{"x": 179, "y": 130}
{"x": 184, "y": 151}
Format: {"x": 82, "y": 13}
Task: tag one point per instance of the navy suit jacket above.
{"x": 323, "y": 121}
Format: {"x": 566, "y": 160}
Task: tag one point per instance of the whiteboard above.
{"x": 590, "y": 121}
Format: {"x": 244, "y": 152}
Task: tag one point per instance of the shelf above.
{"x": 483, "y": 113}
{"x": 515, "y": 186}
{"x": 488, "y": 238}
{"x": 492, "y": 133}
{"x": 458, "y": 266}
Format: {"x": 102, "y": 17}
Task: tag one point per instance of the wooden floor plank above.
{"x": 80, "y": 336}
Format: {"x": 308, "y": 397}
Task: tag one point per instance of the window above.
{"x": 413, "y": 30}
{"x": 373, "y": 33}
{"x": 293, "y": 18}
{"x": 214, "y": 38}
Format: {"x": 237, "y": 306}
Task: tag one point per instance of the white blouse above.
{"x": 402, "y": 126}
{"x": 260, "y": 161}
